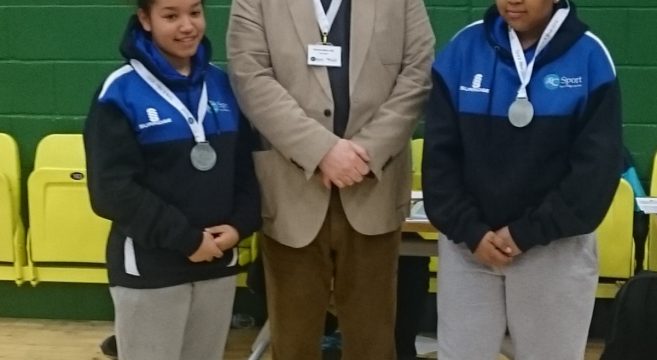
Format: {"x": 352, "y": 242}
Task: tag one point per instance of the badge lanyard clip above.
{"x": 325, "y": 19}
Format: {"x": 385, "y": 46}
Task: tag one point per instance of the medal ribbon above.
{"x": 195, "y": 123}
{"x": 525, "y": 70}
{"x": 325, "y": 19}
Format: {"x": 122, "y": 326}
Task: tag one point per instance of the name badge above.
{"x": 325, "y": 55}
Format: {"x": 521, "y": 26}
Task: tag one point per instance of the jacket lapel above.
{"x": 362, "y": 27}
{"x": 303, "y": 14}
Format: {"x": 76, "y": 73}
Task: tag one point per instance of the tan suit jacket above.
{"x": 392, "y": 46}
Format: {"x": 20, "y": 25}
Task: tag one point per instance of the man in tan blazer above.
{"x": 334, "y": 168}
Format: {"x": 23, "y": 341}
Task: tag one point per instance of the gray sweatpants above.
{"x": 545, "y": 298}
{"x": 182, "y": 322}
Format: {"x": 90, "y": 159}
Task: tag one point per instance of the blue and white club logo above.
{"x": 551, "y": 81}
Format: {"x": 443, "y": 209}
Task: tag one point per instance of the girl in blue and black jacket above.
{"x": 169, "y": 163}
{"x": 517, "y": 175}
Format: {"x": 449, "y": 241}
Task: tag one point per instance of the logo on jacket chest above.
{"x": 218, "y": 106}
{"x": 475, "y": 86}
{"x": 555, "y": 81}
{"x": 153, "y": 119}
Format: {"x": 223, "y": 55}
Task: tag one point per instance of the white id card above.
{"x": 325, "y": 55}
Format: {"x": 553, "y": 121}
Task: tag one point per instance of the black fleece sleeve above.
{"x": 448, "y": 206}
{"x": 581, "y": 200}
{"x": 246, "y": 209}
{"x": 114, "y": 167}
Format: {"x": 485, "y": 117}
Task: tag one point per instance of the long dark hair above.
{"x": 146, "y": 4}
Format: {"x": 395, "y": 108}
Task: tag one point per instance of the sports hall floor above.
{"x": 29, "y": 339}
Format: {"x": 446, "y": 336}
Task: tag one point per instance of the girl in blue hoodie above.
{"x": 169, "y": 164}
{"x": 522, "y": 156}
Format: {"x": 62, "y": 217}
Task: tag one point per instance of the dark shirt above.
{"x": 339, "y": 76}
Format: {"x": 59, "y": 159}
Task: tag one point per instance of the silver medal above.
{"x": 203, "y": 156}
{"x": 521, "y": 112}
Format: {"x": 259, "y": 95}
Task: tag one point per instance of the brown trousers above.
{"x": 361, "y": 271}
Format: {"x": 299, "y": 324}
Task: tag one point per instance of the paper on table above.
{"x": 426, "y": 345}
{"x": 647, "y": 204}
{"x": 417, "y": 210}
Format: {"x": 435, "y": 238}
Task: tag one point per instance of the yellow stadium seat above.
{"x": 66, "y": 240}
{"x": 12, "y": 232}
{"x": 247, "y": 253}
{"x": 244, "y": 246}
{"x": 651, "y": 243}
{"x": 416, "y": 163}
{"x": 416, "y": 168}
{"x": 615, "y": 242}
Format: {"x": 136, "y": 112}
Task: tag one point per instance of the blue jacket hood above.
{"x": 138, "y": 44}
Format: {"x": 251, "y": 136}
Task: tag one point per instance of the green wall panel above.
{"x": 617, "y": 3}
{"x": 477, "y": 13}
{"x": 605, "y": 23}
{"x": 27, "y": 88}
{"x": 482, "y": 3}
{"x": 217, "y": 23}
{"x": 641, "y": 34}
{"x": 4, "y": 35}
{"x": 76, "y": 83}
{"x": 641, "y": 140}
{"x": 447, "y": 21}
{"x": 639, "y": 97}
{"x": 61, "y": 33}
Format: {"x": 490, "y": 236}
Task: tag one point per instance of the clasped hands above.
{"x": 497, "y": 248}
{"x": 345, "y": 164}
{"x": 216, "y": 240}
